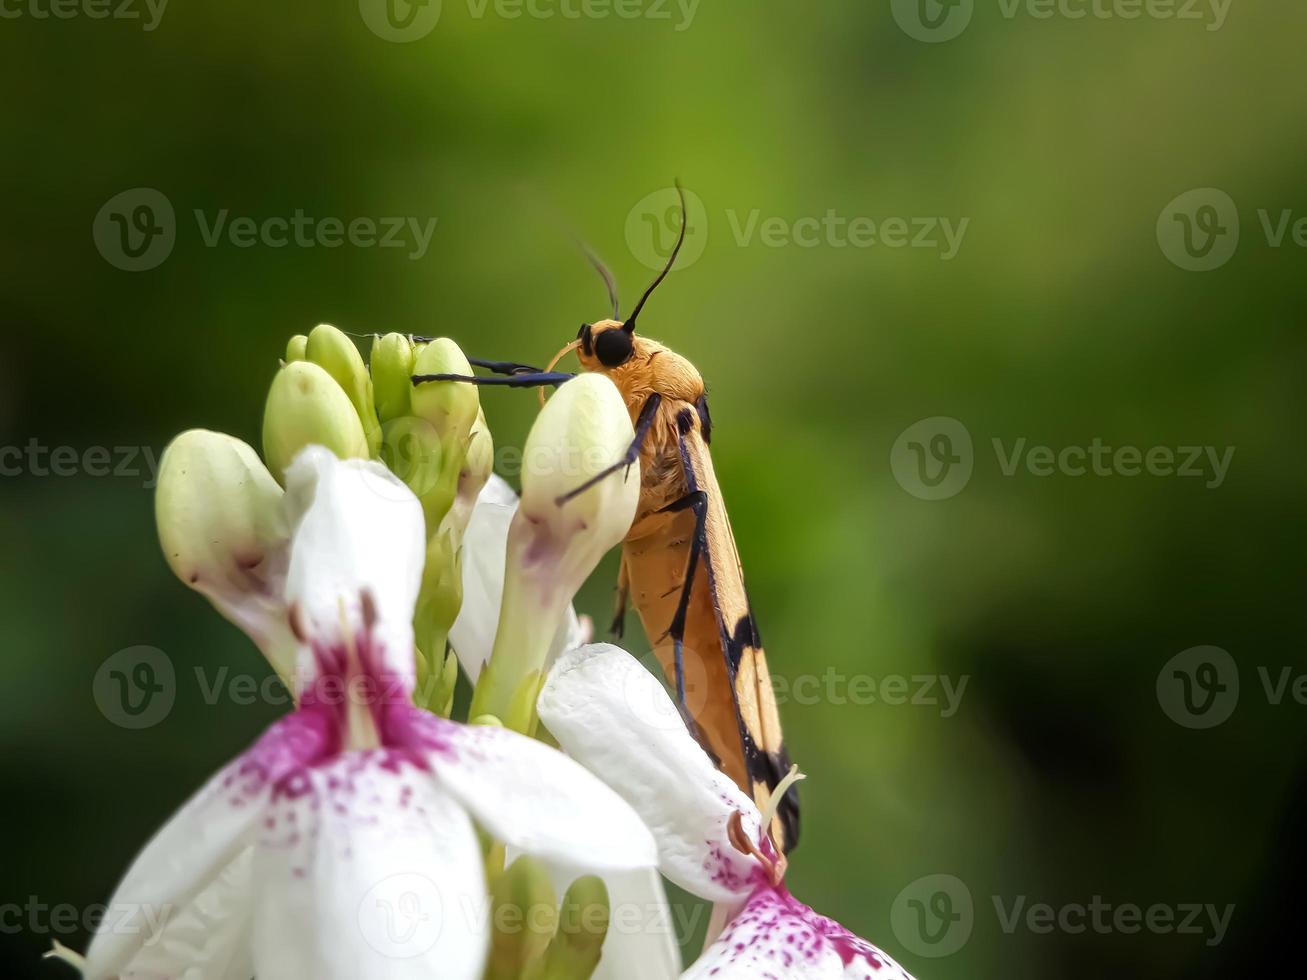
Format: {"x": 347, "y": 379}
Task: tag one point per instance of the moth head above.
{"x": 608, "y": 344}
{"x": 605, "y": 344}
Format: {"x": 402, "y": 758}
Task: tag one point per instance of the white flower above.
{"x": 609, "y": 713}
{"x": 643, "y": 950}
{"x": 485, "y": 550}
{"x": 342, "y": 844}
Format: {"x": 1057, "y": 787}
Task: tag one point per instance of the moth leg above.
{"x": 623, "y": 596}
{"x": 642, "y": 426}
{"x": 696, "y": 500}
{"x": 504, "y": 367}
{"x": 498, "y": 367}
{"x": 534, "y": 380}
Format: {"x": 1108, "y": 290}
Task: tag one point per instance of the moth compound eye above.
{"x": 613, "y": 347}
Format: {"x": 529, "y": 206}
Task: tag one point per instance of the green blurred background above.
{"x": 1060, "y": 320}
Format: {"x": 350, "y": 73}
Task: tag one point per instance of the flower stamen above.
{"x": 775, "y": 864}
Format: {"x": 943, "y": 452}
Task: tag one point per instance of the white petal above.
{"x": 485, "y": 547}
{"x": 366, "y": 870}
{"x": 202, "y": 839}
{"x": 641, "y": 942}
{"x": 530, "y": 796}
{"x": 613, "y": 716}
{"x": 357, "y": 528}
{"x": 777, "y": 936}
{"x": 210, "y": 938}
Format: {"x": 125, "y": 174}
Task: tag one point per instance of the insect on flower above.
{"x": 680, "y": 564}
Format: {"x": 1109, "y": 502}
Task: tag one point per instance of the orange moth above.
{"x": 680, "y": 566}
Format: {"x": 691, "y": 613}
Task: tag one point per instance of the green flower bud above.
{"x": 440, "y": 597}
{"x": 478, "y": 464}
{"x": 306, "y": 407}
{"x": 297, "y": 348}
{"x": 412, "y": 449}
{"x": 554, "y": 545}
{"x": 451, "y": 408}
{"x": 524, "y": 915}
{"x": 582, "y": 927}
{"x": 392, "y": 373}
{"x": 336, "y": 354}
{"x": 224, "y": 533}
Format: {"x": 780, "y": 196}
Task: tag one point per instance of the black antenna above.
{"x": 629, "y": 325}
{"x": 604, "y": 274}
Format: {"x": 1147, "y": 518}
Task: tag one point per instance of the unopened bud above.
{"x": 524, "y": 914}
{"x": 306, "y": 407}
{"x": 582, "y": 928}
{"x": 392, "y": 371}
{"x": 336, "y": 354}
{"x": 556, "y": 539}
{"x": 478, "y": 464}
{"x": 224, "y": 533}
{"x": 451, "y": 409}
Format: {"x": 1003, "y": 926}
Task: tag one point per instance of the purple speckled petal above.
{"x": 532, "y": 797}
{"x": 200, "y": 841}
{"x": 615, "y": 718}
{"x": 367, "y": 870}
{"x": 777, "y": 937}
